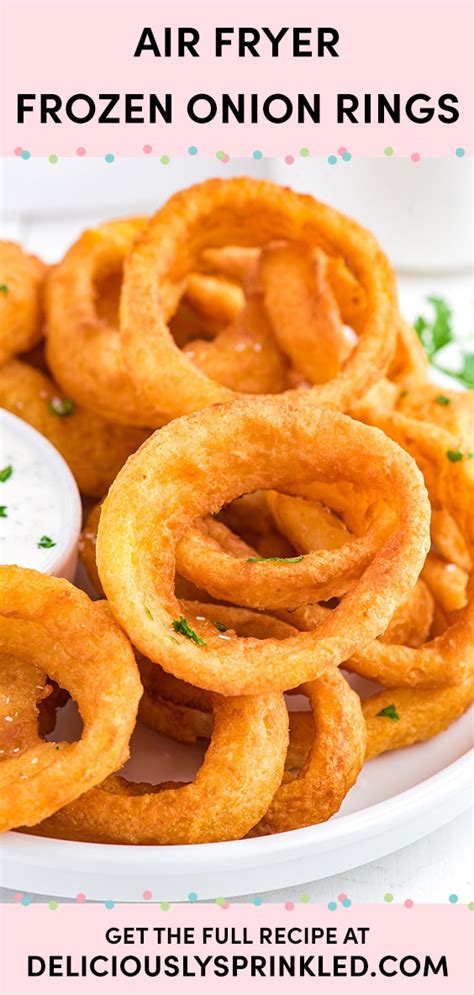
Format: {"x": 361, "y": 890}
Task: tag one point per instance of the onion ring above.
{"x": 241, "y": 771}
{"x": 48, "y": 623}
{"x": 303, "y": 311}
{"x": 177, "y": 476}
{"x": 315, "y": 792}
{"x": 21, "y": 306}
{"x": 246, "y": 211}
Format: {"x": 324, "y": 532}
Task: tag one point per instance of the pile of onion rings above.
{"x": 285, "y": 506}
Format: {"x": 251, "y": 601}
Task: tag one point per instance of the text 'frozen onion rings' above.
{"x": 192, "y": 468}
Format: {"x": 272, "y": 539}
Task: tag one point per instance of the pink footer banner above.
{"x": 237, "y": 948}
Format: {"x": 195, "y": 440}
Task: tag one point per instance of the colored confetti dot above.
{"x": 388, "y": 150}
{"x": 109, "y": 904}
{"x": 164, "y": 159}
{"x": 304, "y": 153}
{"x": 192, "y": 897}
{"x": 388, "y": 897}
{"x": 220, "y": 155}
{"x": 147, "y": 895}
{"x": 347, "y": 903}
{"x": 304, "y": 899}
{"x": 25, "y": 900}
{"x": 147, "y": 149}
{"x": 471, "y": 906}
{"x": 460, "y": 153}
{"x": 342, "y": 150}
{"x": 408, "y": 903}
{"x": 453, "y": 899}
{"x": 53, "y": 159}
{"x": 81, "y": 150}
{"x": 289, "y": 906}
{"x": 80, "y": 897}
{"x": 258, "y": 901}
{"x": 342, "y": 896}
{"x": 225, "y": 905}
{"x": 289, "y": 159}
{"x": 415, "y": 157}
{"x": 257, "y": 154}
{"x": 192, "y": 150}
{"x": 53, "y": 906}
{"x": 109, "y": 157}
{"x": 225, "y": 157}
{"x": 332, "y": 159}
{"x": 332, "y": 906}
{"x": 220, "y": 901}
{"x": 25, "y": 154}
{"x": 18, "y": 897}
{"x": 346, "y": 156}
{"x": 18, "y": 150}
{"x": 164, "y": 906}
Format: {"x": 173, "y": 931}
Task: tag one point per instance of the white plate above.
{"x": 398, "y": 798}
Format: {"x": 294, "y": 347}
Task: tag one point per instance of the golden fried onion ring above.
{"x": 242, "y": 769}
{"x": 48, "y": 623}
{"x": 21, "y": 306}
{"x": 191, "y": 468}
{"x": 246, "y": 212}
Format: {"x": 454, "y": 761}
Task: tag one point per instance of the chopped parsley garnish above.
{"x": 3, "y": 511}
{"x": 45, "y": 543}
{"x": 182, "y": 626}
{"x": 442, "y": 400}
{"x": 389, "y": 712}
{"x": 6, "y": 473}
{"x": 275, "y": 559}
{"x": 148, "y": 613}
{"x": 454, "y": 455}
{"x": 3, "y": 288}
{"x": 221, "y": 627}
{"x": 60, "y": 406}
{"x": 434, "y": 335}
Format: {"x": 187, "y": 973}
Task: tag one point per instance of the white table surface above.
{"x": 440, "y": 864}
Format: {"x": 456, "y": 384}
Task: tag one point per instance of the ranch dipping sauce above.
{"x": 40, "y": 510}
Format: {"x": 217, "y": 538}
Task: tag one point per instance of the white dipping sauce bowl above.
{"x": 39, "y": 462}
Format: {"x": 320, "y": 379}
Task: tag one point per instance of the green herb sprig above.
{"x": 182, "y": 626}
{"x": 6, "y": 473}
{"x": 389, "y": 712}
{"x": 437, "y": 333}
{"x": 45, "y": 543}
{"x": 275, "y": 559}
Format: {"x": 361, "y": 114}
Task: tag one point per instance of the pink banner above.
{"x": 205, "y": 949}
{"x": 264, "y": 79}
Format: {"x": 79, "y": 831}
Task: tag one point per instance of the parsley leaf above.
{"x": 45, "y": 543}
{"x": 3, "y": 511}
{"x": 60, "y": 406}
{"x": 221, "y": 627}
{"x": 389, "y": 712}
{"x": 6, "y": 473}
{"x": 3, "y": 288}
{"x": 275, "y": 559}
{"x": 182, "y": 626}
{"x": 442, "y": 400}
{"x": 436, "y": 334}
{"x": 454, "y": 455}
